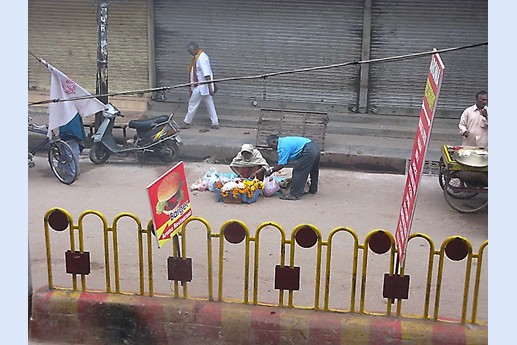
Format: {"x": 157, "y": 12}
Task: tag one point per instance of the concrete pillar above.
{"x": 102, "y": 56}
{"x": 365, "y": 55}
{"x": 151, "y": 44}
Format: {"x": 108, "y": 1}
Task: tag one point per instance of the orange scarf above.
{"x": 192, "y": 67}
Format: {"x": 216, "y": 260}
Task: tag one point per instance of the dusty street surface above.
{"x": 360, "y": 201}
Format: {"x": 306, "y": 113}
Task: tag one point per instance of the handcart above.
{"x": 463, "y": 177}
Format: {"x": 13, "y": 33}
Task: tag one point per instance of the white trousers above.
{"x": 193, "y": 105}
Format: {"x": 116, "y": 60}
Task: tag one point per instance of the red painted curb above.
{"x": 385, "y": 331}
{"x": 325, "y": 329}
{"x": 265, "y": 326}
{"x": 449, "y": 334}
{"x": 100, "y": 318}
{"x": 206, "y": 320}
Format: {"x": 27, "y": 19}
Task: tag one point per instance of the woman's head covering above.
{"x": 247, "y": 148}
{"x": 255, "y": 159}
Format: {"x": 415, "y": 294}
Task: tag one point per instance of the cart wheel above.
{"x": 454, "y": 184}
{"x": 441, "y": 173}
{"x": 467, "y": 205}
{"x": 458, "y": 183}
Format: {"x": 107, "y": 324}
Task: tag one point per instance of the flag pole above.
{"x": 38, "y": 58}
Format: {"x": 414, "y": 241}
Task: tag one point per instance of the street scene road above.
{"x": 360, "y": 201}
{"x": 351, "y": 76}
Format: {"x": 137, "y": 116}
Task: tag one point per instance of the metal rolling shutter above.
{"x": 245, "y": 37}
{"x": 409, "y": 26}
{"x": 128, "y": 45}
{"x": 65, "y": 34}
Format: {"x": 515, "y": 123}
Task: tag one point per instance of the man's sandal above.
{"x": 288, "y": 197}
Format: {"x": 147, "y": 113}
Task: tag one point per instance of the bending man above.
{"x": 305, "y": 154}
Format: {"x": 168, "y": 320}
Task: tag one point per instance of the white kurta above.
{"x": 477, "y": 125}
{"x": 203, "y": 69}
{"x": 201, "y": 93}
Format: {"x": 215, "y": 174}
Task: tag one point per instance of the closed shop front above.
{"x": 409, "y": 26}
{"x": 64, "y": 33}
{"x": 147, "y": 47}
{"x": 244, "y": 38}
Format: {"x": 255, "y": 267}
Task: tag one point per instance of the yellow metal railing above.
{"x": 304, "y": 236}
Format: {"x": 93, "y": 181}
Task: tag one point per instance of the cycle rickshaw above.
{"x": 60, "y": 155}
{"x": 463, "y": 177}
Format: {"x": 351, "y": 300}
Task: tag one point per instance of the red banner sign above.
{"x": 420, "y": 144}
{"x": 170, "y": 203}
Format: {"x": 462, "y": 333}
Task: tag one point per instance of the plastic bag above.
{"x": 271, "y": 186}
{"x": 196, "y": 185}
{"x": 210, "y": 177}
{"x": 211, "y": 180}
{"x": 200, "y": 185}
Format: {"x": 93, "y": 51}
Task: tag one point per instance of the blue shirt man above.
{"x": 289, "y": 148}
{"x": 306, "y": 157}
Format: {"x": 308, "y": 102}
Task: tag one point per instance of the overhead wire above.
{"x": 265, "y": 75}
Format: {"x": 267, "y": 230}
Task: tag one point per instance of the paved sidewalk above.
{"x": 350, "y": 144}
{"x": 351, "y": 152}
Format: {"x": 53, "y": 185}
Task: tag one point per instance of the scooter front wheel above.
{"x": 99, "y": 153}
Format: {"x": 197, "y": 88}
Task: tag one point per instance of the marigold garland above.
{"x": 241, "y": 187}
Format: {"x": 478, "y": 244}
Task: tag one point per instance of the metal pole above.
{"x": 152, "y": 44}
{"x": 365, "y": 55}
{"x": 177, "y": 251}
{"x": 30, "y": 285}
{"x": 102, "y": 56}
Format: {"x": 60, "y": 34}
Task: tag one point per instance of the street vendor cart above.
{"x": 463, "y": 177}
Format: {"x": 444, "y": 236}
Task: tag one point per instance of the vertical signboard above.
{"x": 170, "y": 203}
{"x": 420, "y": 144}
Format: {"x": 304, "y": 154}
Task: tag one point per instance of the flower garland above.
{"x": 239, "y": 187}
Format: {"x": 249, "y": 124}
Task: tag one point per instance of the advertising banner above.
{"x": 170, "y": 203}
{"x": 420, "y": 144}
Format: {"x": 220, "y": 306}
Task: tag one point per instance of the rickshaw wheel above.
{"x": 467, "y": 205}
{"x": 454, "y": 182}
{"x": 441, "y": 174}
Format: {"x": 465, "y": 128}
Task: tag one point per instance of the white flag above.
{"x": 63, "y": 88}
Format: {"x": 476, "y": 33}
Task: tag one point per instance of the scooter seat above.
{"x": 147, "y": 123}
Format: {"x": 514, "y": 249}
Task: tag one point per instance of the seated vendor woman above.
{"x": 249, "y": 163}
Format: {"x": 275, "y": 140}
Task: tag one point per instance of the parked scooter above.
{"x": 157, "y": 136}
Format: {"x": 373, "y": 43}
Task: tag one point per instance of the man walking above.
{"x": 474, "y": 122}
{"x": 200, "y": 71}
{"x": 306, "y": 155}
